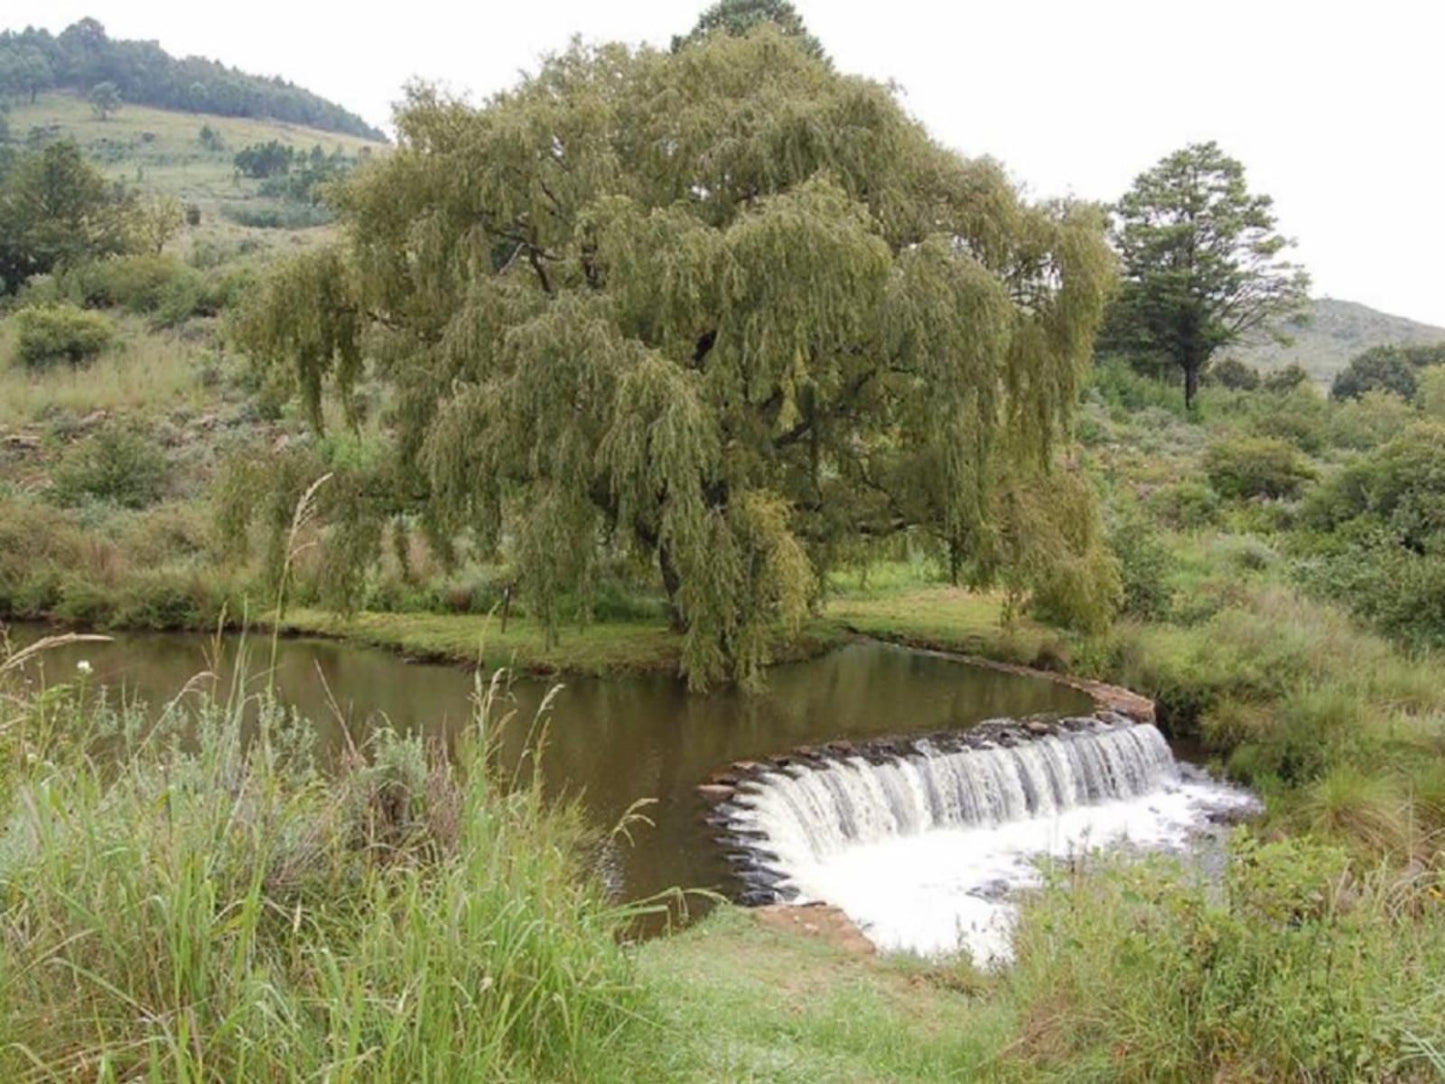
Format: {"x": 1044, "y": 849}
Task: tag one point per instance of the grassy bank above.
{"x": 204, "y": 908}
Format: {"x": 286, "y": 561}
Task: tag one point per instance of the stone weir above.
{"x": 816, "y": 800}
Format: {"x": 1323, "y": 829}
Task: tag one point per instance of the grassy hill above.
{"x": 1334, "y": 333}
{"x": 159, "y": 150}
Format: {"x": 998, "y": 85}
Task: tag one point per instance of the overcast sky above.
{"x": 1335, "y": 109}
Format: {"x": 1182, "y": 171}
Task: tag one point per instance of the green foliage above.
{"x": 1145, "y": 568}
{"x": 265, "y": 159}
{"x": 56, "y": 210}
{"x": 278, "y": 216}
{"x": 1234, "y": 374}
{"x": 1202, "y": 263}
{"x": 721, "y": 310}
{"x": 1294, "y": 969}
{"x": 1382, "y": 368}
{"x": 141, "y": 72}
{"x": 211, "y": 140}
{"x": 1287, "y": 379}
{"x": 1185, "y": 506}
{"x": 1247, "y": 467}
{"x": 119, "y": 464}
{"x": 50, "y": 334}
{"x": 738, "y": 17}
{"x": 1371, "y": 420}
{"x": 104, "y": 99}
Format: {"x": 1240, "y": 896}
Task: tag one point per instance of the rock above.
{"x": 22, "y": 442}
{"x": 715, "y": 792}
{"x": 1037, "y": 727}
{"x": 91, "y": 420}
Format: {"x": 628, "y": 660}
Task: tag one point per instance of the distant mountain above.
{"x": 1334, "y": 333}
{"x": 82, "y": 56}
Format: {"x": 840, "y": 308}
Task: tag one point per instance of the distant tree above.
{"x": 193, "y": 214}
{"x": 1234, "y": 374}
{"x": 56, "y": 210}
{"x": 211, "y": 139}
{"x": 1201, "y": 263}
{"x": 24, "y": 70}
{"x": 158, "y": 219}
{"x": 265, "y": 159}
{"x": 104, "y": 99}
{"x": 738, "y": 17}
{"x": 1392, "y": 368}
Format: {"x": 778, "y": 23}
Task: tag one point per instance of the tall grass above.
{"x": 1299, "y": 966}
{"x": 204, "y": 904}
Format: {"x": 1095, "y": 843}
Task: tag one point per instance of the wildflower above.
{"x": 83, "y": 666}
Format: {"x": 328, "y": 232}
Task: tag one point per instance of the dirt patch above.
{"x": 819, "y": 920}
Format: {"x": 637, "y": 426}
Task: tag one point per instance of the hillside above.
{"x": 82, "y": 56}
{"x": 1335, "y": 332}
{"x": 160, "y": 150}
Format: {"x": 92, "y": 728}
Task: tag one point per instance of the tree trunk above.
{"x": 1191, "y": 382}
{"x": 671, "y": 583}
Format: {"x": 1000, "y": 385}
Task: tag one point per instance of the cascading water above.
{"x": 922, "y": 847}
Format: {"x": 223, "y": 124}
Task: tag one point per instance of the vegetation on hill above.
{"x": 1327, "y": 335}
{"x": 82, "y": 58}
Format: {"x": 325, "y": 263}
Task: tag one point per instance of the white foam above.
{"x": 956, "y": 888}
{"x": 929, "y": 856}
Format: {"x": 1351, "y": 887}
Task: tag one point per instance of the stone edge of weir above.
{"x": 1113, "y": 706}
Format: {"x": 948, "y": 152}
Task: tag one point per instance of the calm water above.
{"x": 612, "y": 742}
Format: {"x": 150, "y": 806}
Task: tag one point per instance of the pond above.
{"x": 612, "y": 742}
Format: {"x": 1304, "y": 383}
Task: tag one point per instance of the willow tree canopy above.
{"x": 723, "y": 308}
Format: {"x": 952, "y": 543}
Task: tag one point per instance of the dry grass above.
{"x": 145, "y": 371}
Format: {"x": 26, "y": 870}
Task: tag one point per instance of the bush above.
{"x": 143, "y": 285}
{"x": 1289, "y": 378}
{"x": 1145, "y": 565}
{"x": 118, "y": 465}
{"x": 54, "y": 333}
{"x": 1371, "y": 420}
{"x": 279, "y": 216}
{"x": 1185, "y": 506}
{"x": 1256, "y": 467}
{"x": 1234, "y": 374}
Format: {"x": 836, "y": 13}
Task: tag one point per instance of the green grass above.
{"x": 946, "y": 619}
{"x": 740, "y": 1002}
{"x": 603, "y": 648}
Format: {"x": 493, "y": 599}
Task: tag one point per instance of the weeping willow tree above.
{"x": 723, "y": 309}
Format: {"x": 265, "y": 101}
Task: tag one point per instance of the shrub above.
{"x": 1234, "y": 374}
{"x": 118, "y": 465}
{"x": 1371, "y": 420}
{"x": 1256, "y": 467}
{"x": 51, "y": 334}
{"x": 142, "y": 285}
{"x": 1185, "y": 506}
{"x": 1289, "y": 378}
{"x": 1145, "y": 565}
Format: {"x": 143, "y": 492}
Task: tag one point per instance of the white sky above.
{"x": 1334, "y": 108}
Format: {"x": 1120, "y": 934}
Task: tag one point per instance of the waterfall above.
{"x": 924, "y": 843}
{"x": 817, "y": 811}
